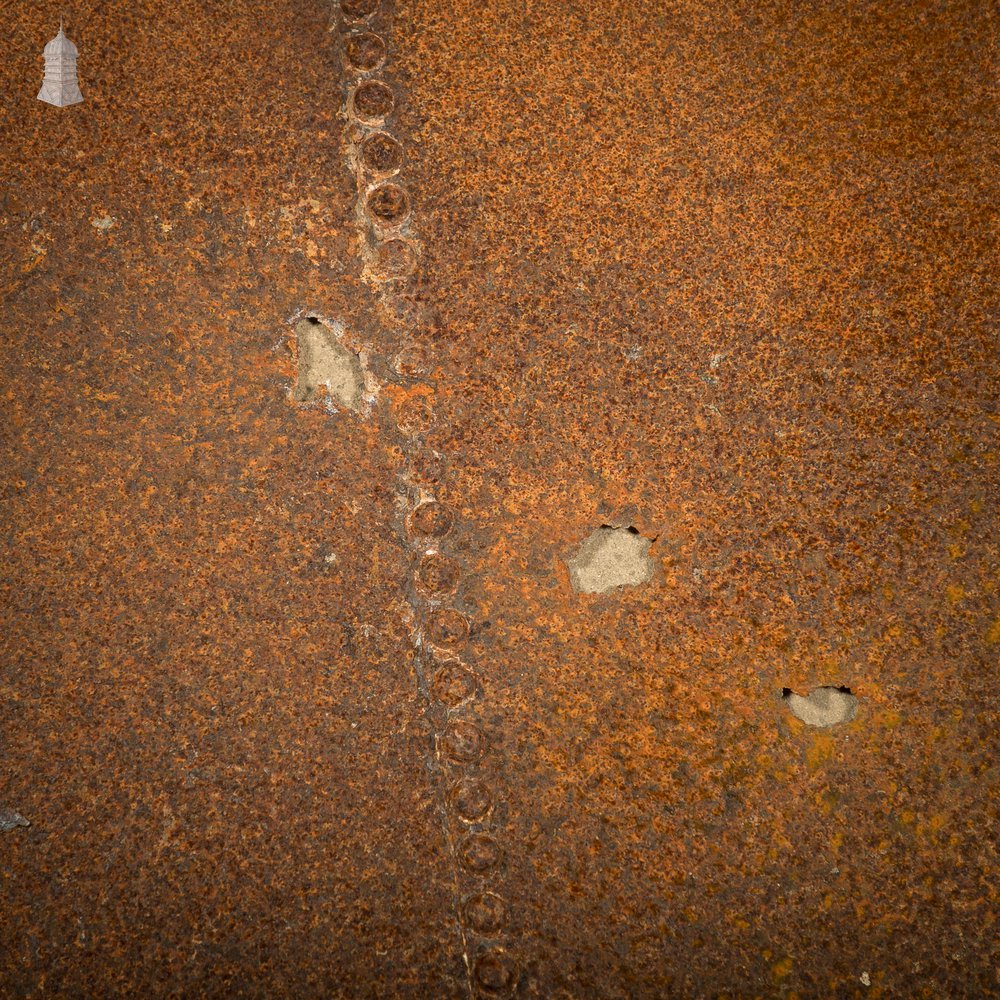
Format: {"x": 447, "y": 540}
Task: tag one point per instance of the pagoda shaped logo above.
{"x": 60, "y": 86}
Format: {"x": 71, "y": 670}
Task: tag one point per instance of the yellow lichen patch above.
{"x": 796, "y": 725}
{"x": 826, "y": 801}
{"x": 780, "y": 848}
{"x": 993, "y": 633}
{"x": 819, "y": 751}
{"x": 769, "y": 765}
{"x": 37, "y": 257}
{"x": 890, "y": 718}
{"x": 938, "y": 821}
{"x": 782, "y": 968}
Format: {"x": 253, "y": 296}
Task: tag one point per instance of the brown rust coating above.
{"x": 208, "y": 708}
{"x": 718, "y": 272}
{"x": 731, "y": 265}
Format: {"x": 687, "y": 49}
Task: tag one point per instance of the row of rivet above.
{"x": 378, "y": 155}
{"x": 445, "y": 634}
{"x": 385, "y": 210}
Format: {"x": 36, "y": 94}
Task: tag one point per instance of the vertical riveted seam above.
{"x": 390, "y": 253}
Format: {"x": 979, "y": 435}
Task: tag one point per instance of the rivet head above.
{"x": 480, "y": 853}
{"x": 381, "y": 153}
{"x": 453, "y": 684}
{"x": 462, "y": 742}
{"x": 396, "y": 259}
{"x": 495, "y": 971}
{"x": 389, "y": 204}
{"x": 412, "y": 361}
{"x": 486, "y": 913}
{"x": 430, "y": 518}
{"x": 357, "y": 9}
{"x": 373, "y": 101}
{"x": 446, "y": 627}
{"x": 414, "y": 413}
{"x": 437, "y": 575}
{"x": 365, "y": 51}
{"x": 472, "y": 800}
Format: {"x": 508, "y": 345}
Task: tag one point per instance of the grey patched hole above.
{"x": 610, "y": 558}
{"x": 325, "y": 361}
{"x": 10, "y": 820}
{"x": 825, "y": 706}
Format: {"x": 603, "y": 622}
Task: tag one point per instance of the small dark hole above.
{"x": 843, "y": 689}
{"x": 313, "y": 320}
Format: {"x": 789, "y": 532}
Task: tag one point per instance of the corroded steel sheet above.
{"x": 333, "y": 692}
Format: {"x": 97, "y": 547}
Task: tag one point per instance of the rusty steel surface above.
{"x": 300, "y": 698}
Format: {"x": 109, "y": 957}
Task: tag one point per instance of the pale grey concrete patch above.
{"x": 10, "y": 820}
{"x": 826, "y": 706}
{"x": 609, "y": 558}
{"x": 325, "y": 361}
